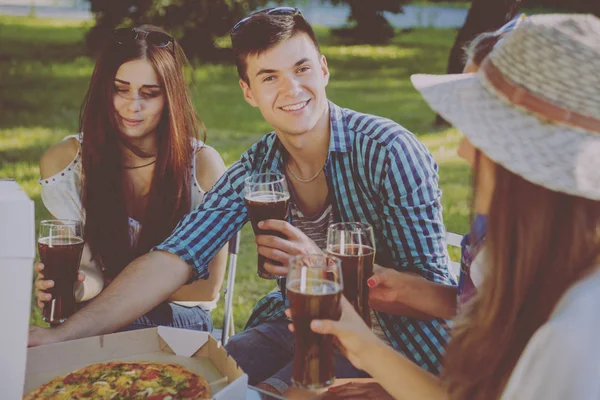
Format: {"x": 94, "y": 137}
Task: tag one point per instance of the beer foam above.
{"x": 350, "y": 250}
{"x": 60, "y": 240}
{"x": 314, "y": 287}
{"x": 268, "y": 197}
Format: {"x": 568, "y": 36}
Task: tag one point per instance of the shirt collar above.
{"x": 275, "y": 154}
{"x": 339, "y": 140}
{"x": 339, "y": 137}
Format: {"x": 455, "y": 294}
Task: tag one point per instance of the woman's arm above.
{"x": 58, "y": 157}
{"x": 53, "y": 161}
{"x": 398, "y": 376}
{"x": 93, "y": 283}
{"x": 209, "y": 168}
{"x": 411, "y": 295}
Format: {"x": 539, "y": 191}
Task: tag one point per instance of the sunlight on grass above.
{"x": 369, "y": 52}
{"x": 23, "y": 137}
{"x": 24, "y": 22}
{"x": 44, "y": 76}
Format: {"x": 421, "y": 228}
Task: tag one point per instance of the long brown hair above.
{"x": 104, "y": 200}
{"x": 539, "y": 242}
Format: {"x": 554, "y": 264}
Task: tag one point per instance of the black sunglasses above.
{"x": 294, "y": 11}
{"x": 158, "y": 39}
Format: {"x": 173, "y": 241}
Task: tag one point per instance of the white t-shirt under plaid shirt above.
{"x": 315, "y": 227}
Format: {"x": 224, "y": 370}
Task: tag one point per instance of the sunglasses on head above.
{"x": 158, "y": 39}
{"x": 293, "y": 11}
{"x": 510, "y": 25}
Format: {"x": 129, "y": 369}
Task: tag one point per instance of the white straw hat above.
{"x": 534, "y": 105}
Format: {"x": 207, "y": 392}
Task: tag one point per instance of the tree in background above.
{"x": 578, "y": 6}
{"x": 369, "y": 24}
{"x": 196, "y": 24}
{"x": 483, "y": 16}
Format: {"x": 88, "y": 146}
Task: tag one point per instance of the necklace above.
{"x": 305, "y": 180}
{"x": 140, "y": 166}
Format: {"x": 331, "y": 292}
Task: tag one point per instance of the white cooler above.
{"x": 17, "y": 252}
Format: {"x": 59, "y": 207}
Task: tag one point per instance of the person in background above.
{"x": 135, "y": 170}
{"x": 530, "y": 115}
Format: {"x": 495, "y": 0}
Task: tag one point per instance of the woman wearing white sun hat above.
{"x": 532, "y": 113}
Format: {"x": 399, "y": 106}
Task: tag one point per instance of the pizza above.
{"x": 125, "y": 380}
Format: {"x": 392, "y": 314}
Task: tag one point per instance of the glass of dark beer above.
{"x": 267, "y": 197}
{"x": 314, "y": 288}
{"x": 354, "y": 244}
{"x": 60, "y": 243}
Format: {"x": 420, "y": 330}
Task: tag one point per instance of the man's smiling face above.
{"x": 287, "y": 83}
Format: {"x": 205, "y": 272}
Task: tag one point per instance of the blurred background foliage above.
{"x": 44, "y": 75}
{"x": 200, "y": 24}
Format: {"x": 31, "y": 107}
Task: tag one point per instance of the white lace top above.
{"x": 62, "y": 194}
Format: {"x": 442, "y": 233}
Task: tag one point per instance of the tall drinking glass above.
{"x": 354, "y": 244}
{"x": 267, "y": 197}
{"x": 60, "y": 243}
{"x": 314, "y": 289}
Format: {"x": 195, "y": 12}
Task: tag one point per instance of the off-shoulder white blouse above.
{"x": 62, "y": 194}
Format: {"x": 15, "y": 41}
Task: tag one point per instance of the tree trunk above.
{"x": 483, "y": 16}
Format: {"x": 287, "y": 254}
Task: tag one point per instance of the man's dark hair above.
{"x": 262, "y": 32}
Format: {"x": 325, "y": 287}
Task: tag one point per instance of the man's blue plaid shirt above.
{"x": 379, "y": 173}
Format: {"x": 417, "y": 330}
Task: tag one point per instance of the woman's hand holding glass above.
{"x": 42, "y": 285}
{"x": 353, "y": 336}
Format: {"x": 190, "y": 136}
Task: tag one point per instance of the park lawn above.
{"x": 44, "y": 75}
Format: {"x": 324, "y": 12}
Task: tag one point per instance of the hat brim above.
{"x": 558, "y": 157}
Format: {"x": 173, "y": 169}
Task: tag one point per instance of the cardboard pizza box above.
{"x": 17, "y": 251}
{"x": 197, "y": 351}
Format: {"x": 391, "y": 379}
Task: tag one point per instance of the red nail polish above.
{"x": 370, "y": 282}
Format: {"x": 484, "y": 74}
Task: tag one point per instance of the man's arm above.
{"x": 152, "y": 278}
{"x": 209, "y": 169}
{"x": 142, "y": 285}
{"x": 201, "y": 234}
{"x": 415, "y": 233}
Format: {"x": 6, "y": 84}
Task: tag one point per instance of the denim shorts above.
{"x": 266, "y": 351}
{"x": 173, "y": 315}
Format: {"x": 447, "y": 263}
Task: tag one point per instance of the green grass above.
{"x": 43, "y": 77}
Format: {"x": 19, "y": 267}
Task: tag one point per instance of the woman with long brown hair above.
{"x": 135, "y": 170}
{"x": 531, "y": 116}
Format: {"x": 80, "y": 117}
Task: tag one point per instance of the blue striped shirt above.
{"x": 379, "y": 173}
